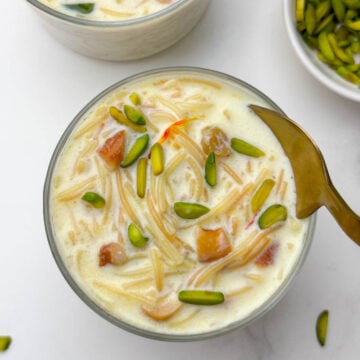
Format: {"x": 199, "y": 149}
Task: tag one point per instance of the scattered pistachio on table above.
{"x": 321, "y": 327}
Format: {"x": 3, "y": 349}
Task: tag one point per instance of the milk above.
{"x": 124, "y": 290}
{"x": 111, "y": 10}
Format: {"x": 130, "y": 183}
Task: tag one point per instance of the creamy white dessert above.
{"x": 116, "y": 39}
{"x": 108, "y": 10}
{"x": 173, "y": 205}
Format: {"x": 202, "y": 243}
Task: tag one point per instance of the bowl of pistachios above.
{"x": 326, "y": 36}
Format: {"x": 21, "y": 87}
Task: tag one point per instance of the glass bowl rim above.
{"x": 257, "y": 313}
{"x": 107, "y": 24}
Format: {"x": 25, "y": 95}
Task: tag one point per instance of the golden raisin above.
{"x": 214, "y": 139}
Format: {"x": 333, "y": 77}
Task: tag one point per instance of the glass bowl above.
{"x": 127, "y": 39}
{"x": 187, "y": 72}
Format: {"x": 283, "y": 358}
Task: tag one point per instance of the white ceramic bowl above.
{"x": 320, "y": 71}
{"x": 126, "y": 39}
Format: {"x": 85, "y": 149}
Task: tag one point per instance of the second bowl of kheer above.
{"x": 119, "y": 30}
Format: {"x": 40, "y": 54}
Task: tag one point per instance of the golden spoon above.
{"x": 313, "y": 185}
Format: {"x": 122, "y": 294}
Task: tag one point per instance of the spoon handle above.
{"x": 345, "y": 217}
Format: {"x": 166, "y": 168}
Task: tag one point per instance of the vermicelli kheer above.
{"x": 173, "y": 205}
{"x": 108, "y": 10}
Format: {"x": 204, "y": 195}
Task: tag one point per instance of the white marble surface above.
{"x": 43, "y": 85}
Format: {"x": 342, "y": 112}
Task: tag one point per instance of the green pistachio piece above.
{"x": 272, "y": 215}
{"x": 310, "y": 19}
{"x": 300, "y": 10}
{"x": 134, "y": 115}
{"x": 117, "y": 115}
{"x": 348, "y": 75}
{"x": 210, "y": 169}
{"x": 201, "y": 297}
{"x": 94, "y": 199}
{"x": 141, "y": 177}
{"x": 335, "y": 63}
{"x": 342, "y": 33}
{"x": 262, "y": 193}
{"x": 301, "y": 26}
{"x": 353, "y": 25}
{"x": 352, "y": 4}
{"x": 245, "y": 148}
{"x": 338, "y": 51}
{"x": 157, "y": 158}
{"x": 190, "y": 210}
{"x": 343, "y": 43}
{"x": 135, "y": 99}
{"x": 353, "y": 67}
{"x": 135, "y": 236}
{"x": 339, "y": 9}
{"x": 322, "y": 9}
{"x": 325, "y": 48}
{"x": 83, "y": 8}
{"x": 136, "y": 150}
{"x": 355, "y": 47}
{"x": 312, "y": 41}
{"x": 321, "y": 327}
{"x": 324, "y": 23}
{"x": 5, "y": 342}
{"x": 350, "y": 15}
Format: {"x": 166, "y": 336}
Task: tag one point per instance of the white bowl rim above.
{"x": 311, "y": 67}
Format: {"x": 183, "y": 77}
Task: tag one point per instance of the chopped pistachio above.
{"x": 83, "y": 8}
{"x": 300, "y": 10}
{"x": 338, "y": 51}
{"x": 190, "y": 210}
{"x": 157, "y": 158}
{"x": 135, "y": 236}
{"x": 310, "y": 19}
{"x": 272, "y": 215}
{"x": 352, "y": 4}
{"x": 5, "y": 342}
{"x": 136, "y": 150}
{"x": 135, "y": 99}
{"x": 245, "y": 148}
{"x": 348, "y": 75}
{"x": 353, "y": 25}
{"x": 325, "y": 48}
{"x": 117, "y": 115}
{"x": 96, "y": 200}
{"x": 322, "y": 9}
{"x": 210, "y": 169}
{"x": 321, "y": 327}
{"x": 339, "y": 9}
{"x": 324, "y": 23}
{"x": 134, "y": 115}
{"x": 261, "y": 195}
{"x": 201, "y": 297}
{"x": 141, "y": 177}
